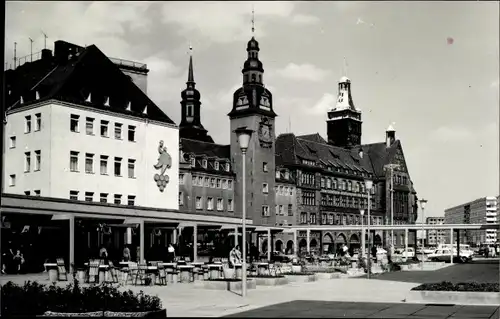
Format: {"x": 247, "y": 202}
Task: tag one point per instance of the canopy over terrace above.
{"x": 112, "y": 214}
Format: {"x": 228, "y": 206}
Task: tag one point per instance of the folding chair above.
{"x": 131, "y": 273}
{"x": 61, "y": 270}
{"x": 142, "y": 274}
{"x": 112, "y": 270}
{"x": 93, "y": 276}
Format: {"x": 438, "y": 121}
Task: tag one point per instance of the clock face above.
{"x": 265, "y": 131}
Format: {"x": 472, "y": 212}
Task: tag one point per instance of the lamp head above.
{"x": 422, "y": 203}
{"x": 243, "y": 134}
{"x": 368, "y": 184}
{"x": 362, "y": 212}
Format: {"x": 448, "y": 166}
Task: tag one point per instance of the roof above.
{"x": 205, "y": 148}
{"x": 291, "y": 149}
{"x": 74, "y": 73}
{"x": 344, "y": 79}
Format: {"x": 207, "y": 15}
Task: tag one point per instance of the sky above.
{"x": 432, "y": 68}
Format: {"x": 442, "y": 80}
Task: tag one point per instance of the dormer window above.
{"x": 204, "y": 163}
{"x": 216, "y": 165}
{"x": 227, "y": 167}
{"x": 193, "y": 161}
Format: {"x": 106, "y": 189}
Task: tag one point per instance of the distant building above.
{"x": 435, "y": 236}
{"x": 480, "y": 211}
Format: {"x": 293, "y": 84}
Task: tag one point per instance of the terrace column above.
{"x": 235, "y": 236}
{"x": 71, "y": 242}
{"x": 174, "y": 236}
{"x": 295, "y": 243}
{"x": 141, "y": 240}
{"x": 406, "y": 239}
{"x": 269, "y": 244}
{"x": 451, "y": 244}
{"x": 308, "y": 238}
{"x": 195, "y": 243}
{"x": 458, "y": 243}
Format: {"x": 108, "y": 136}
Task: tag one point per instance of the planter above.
{"x": 53, "y": 275}
{"x": 229, "y": 273}
{"x": 278, "y": 281}
{"x": 146, "y": 314}
{"x": 327, "y": 275}
{"x": 296, "y": 268}
{"x": 301, "y": 278}
{"x": 81, "y": 274}
{"x": 70, "y": 314}
{"x": 454, "y": 297}
{"x": 224, "y": 284}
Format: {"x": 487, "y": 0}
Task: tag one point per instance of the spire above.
{"x": 253, "y": 20}
{"x": 344, "y": 68}
{"x": 190, "y": 73}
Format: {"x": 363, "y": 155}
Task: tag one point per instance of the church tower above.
{"x": 253, "y": 109}
{"x": 190, "y": 126}
{"x": 344, "y": 120}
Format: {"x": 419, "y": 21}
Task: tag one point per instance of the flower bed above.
{"x": 462, "y": 293}
{"x": 304, "y": 273}
{"x": 266, "y": 276}
{"x": 268, "y": 280}
{"x": 34, "y": 299}
{"x": 300, "y": 276}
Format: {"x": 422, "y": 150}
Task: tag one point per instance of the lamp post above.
{"x": 243, "y": 134}
{"x": 363, "y": 244}
{"x": 391, "y": 168}
{"x": 422, "y": 206}
{"x": 369, "y": 185}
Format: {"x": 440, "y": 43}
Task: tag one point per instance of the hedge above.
{"x": 462, "y": 286}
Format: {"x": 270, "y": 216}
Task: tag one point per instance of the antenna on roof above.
{"x": 344, "y": 68}
{"x": 289, "y": 124}
{"x": 45, "y": 37}
{"x": 15, "y": 54}
{"x": 31, "y": 49}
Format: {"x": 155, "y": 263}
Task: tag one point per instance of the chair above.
{"x": 161, "y": 275}
{"x": 112, "y": 270}
{"x": 187, "y": 259}
{"x": 61, "y": 270}
{"x": 142, "y": 274}
{"x": 131, "y": 273}
{"x": 93, "y": 275}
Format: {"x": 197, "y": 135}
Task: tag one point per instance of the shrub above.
{"x": 225, "y": 279}
{"x": 298, "y": 273}
{"x": 35, "y": 299}
{"x": 266, "y": 276}
{"x": 462, "y": 286}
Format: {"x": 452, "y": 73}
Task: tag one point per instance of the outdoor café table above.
{"x": 102, "y": 272}
{"x": 152, "y": 270}
{"x": 53, "y": 271}
{"x": 197, "y": 267}
{"x": 238, "y": 270}
{"x": 263, "y": 268}
{"x": 185, "y": 272}
{"x": 215, "y": 270}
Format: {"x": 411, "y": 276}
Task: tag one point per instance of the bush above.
{"x": 463, "y": 286}
{"x": 34, "y": 299}
{"x": 266, "y": 276}
{"x": 298, "y": 273}
{"x": 329, "y": 270}
{"x": 225, "y": 279}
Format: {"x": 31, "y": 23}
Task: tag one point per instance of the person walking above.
{"x": 170, "y": 253}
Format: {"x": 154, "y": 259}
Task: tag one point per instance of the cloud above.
{"x": 305, "y": 19}
{"x": 307, "y": 72}
{"x": 226, "y": 96}
{"x": 494, "y": 84}
{"x": 325, "y": 103}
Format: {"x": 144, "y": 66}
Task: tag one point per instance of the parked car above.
{"x": 444, "y": 255}
{"x": 409, "y": 253}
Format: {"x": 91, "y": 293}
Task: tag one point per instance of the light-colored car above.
{"x": 444, "y": 255}
{"x": 409, "y": 253}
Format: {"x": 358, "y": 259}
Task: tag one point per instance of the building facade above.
{"x": 434, "y": 237}
{"x": 480, "y": 211}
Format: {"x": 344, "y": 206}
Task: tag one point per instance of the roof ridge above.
{"x": 198, "y": 141}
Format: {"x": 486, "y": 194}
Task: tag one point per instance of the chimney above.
{"x": 390, "y": 135}
{"x": 360, "y": 153}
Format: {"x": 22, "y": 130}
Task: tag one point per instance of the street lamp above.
{"x": 391, "y": 168}
{"x": 368, "y": 186}
{"x": 363, "y": 244}
{"x": 243, "y": 134}
{"x": 422, "y": 206}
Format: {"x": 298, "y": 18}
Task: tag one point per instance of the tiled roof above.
{"x": 72, "y": 78}
{"x": 205, "y": 148}
{"x": 290, "y": 149}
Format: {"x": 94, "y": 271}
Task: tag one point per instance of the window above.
{"x": 303, "y": 218}
{"x": 227, "y": 167}
{"x": 308, "y": 198}
{"x": 224, "y": 184}
{"x": 264, "y": 167}
{"x": 73, "y": 195}
{"x": 210, "y": 203}
{"x": 131, "y": 200}
{"x": 220, "y": 204}
{"x": 330, "y": 219}
{"x": 12, "y": 142}
{"x": 89, "y": 196}
{"x": 74, "y": 123}
{"x": 181, "y": 199}
{"x": 104, "y": 128}
{"x": 216, "y": 164}
{"x": 118, "y": 166}
{"x": 131, "y": 133}
{"x": 265, "y": 188}
{"x": 27, "y": 162}
{"x": 89, "y": 163}
{"x": 131, "y": 168}
{"x": 230, "y": 184}
{"x": 281, "y": 191}
{"x": 291, "y": 191}
{"x": 73, "y": 161}
{"x": 334, "y": 184}
{"x": 37, "y": 192}
{"x": 312, "y": 218}
{"x": 118, "y": 199}
{"x": 89, "y": 126}
{"x": 38, "y": 160}
{"x": 181, "y": 179}
{"x": 193, "y": 162}
{"x": 265, "y": 211}
{"x": 12, "y": 180}
{"x": 323, "y": 219}
{"x": 200, "y": 181}
{"x": 328, "y": 183}
{"x": 104, "y": 165}
{"x": 281, "y": 210}
{"x": 118, "y": 131}
{"x": 199, "y": 203}
{"x": 290, "y": 210}
{"x": 103, "y": 198}
{"x": 204, "y": 163}
{"x": 193, "y": 180}
{"x": 230, "y": 207}
{"x": 38, "y": 121}
{"x": 322, "y": 182}
{"x": 212, "y": 182}
{"x": 207, "y": 182}
{"x": 285, "y": 191}
{"x": 27, "y": 124}
{"x": 219, "y": 183}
